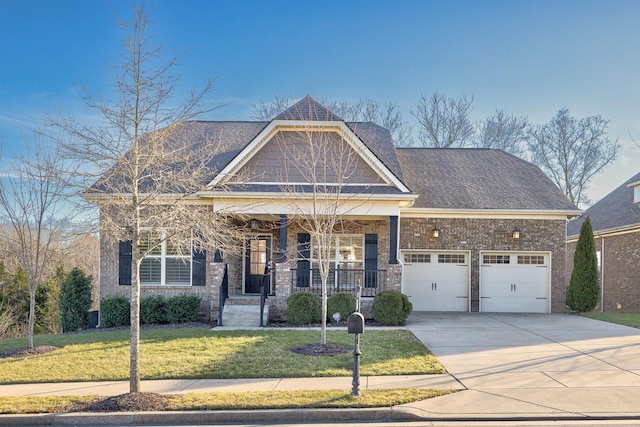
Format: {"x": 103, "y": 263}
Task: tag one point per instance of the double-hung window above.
{"x": 163, "y": 265}
{"x": 346, "y": 252}
{"x": 346, "y": 259}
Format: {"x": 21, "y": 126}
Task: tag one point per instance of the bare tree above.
{"x": 145, "y": 160}
{"x": 504, "y": 132}
{"x": 444, "y": 122}
{"x": 571, "y": 151}
{"x": 320, "y": 171}
{"x": 266, "y": 111}
{"x": 32, "y": 199}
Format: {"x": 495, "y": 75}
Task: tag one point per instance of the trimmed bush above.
{"x": 153, "y": 310}
{"x": 304, "y": 308}
{"x": 341, "y": 302}
{"x": 183, "y": 308}
{"x": 391, "y": 308}
{"x": 583, "y": 291}
{"x": 115, "y": 311}
{"x": 75, "y": 301}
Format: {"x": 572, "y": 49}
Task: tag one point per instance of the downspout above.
{"x": 601, "y": 274}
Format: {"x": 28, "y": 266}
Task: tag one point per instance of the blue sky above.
{"x": 529, "y": 58}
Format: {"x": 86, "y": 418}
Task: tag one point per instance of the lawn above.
{"x": 627, "y": 319}
{"x": 202, "y": 353}
{"x": 300, "y": 399}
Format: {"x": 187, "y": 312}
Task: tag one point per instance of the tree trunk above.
{"x": 32, "y": 316}
{"x": 134, "y": 353}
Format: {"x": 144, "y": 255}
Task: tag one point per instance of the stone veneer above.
{"x": 477, "y": 234}
{"x": 621, "y": 261}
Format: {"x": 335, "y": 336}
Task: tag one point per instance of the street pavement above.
{"x": 526, "y": 367}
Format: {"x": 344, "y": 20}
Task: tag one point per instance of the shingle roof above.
{"x": 308, "y": 109}
{"x": 477, "y": 178}
{"x": 615, "y": 210}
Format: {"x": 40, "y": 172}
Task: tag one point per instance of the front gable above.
{"x": 268, "y": 158}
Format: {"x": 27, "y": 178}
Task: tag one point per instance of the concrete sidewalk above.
{"x": 114, "y": 388}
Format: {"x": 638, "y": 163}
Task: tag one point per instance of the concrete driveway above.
{"x": 526, "y": 365}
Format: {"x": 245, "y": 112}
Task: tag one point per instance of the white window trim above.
{"x": 162, "y": 256}
{"x": 336, "y": 251}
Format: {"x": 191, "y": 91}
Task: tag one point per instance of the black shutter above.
{"x": 124, "y": 263}
{"x": 304, "y": 265}
{"x": 370, "y": 260}
{"x": 199, "y": 268}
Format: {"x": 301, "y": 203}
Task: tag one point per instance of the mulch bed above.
{"x": 320, "y": 349}
{"x": 26, "y": 351}
{"x": 130, "y": 402}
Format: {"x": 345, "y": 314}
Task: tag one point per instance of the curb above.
{"x": 211, "y": 417}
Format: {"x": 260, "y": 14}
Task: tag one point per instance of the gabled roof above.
{"x": 613, "y": 212}
{"x": 478, "y": 178}
{"x": 308, "y": 109}
{"x": 373, "y": 142}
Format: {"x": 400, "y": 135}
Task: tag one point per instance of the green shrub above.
{"x": 391, "y": 308}
{"x": 115, "y": 311}
{"x": 75, "y": 301}
{"x": 341, "y": 302}
{"x": 153, "y": 310}
{"x": 304, "y": 308}
{"x": 183, "y": 308}
{"x": 583, "y": 291}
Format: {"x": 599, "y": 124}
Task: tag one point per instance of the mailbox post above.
{"x": 355, "y": 325}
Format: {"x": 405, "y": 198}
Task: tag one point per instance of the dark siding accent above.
{"x": 393, "y": 240}
{"x": 370, "y": 260}
{"x": 124, "y": 263}
{"x": 304, "y": 265}
{"x": 199, "y": 268}
{"x": 282, "y": 255}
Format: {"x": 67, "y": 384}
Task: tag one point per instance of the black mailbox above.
{"x": 355, "y": 323}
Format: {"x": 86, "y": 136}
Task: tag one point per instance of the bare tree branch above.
{"x": 444, "y": 122}
{"x": 571, "y": 151}
{"x": 503, "y": 132}
{"x": 145, "y": 160}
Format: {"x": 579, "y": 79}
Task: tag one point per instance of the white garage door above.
{"x": 436, "y": 281}
{"x": 514, "y": 282}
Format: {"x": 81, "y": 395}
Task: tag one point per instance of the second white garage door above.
{"x": 436, "y": 281}
{"x": 514, "y": 282}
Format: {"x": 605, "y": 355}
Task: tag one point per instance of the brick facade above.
{"x": 492, "y": 234}
{"x": 620, "y": 269}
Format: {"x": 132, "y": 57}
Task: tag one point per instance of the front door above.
{"x": 257, "y": 257}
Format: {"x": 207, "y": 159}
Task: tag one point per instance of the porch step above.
{"x": 244, "y": 315}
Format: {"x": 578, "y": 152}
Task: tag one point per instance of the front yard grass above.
{"x": 627, "y": 319}
{"x": 236, "y": 401}
{"x": 201, "y": 353}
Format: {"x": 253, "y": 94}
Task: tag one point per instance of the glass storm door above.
{"x": 257, "y": 257}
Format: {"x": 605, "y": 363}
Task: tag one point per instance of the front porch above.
{"x": 279, "y": 259}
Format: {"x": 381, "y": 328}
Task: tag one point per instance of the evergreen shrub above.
{"x": 153, "y": 310}
{"x": 75, "y": 301}
{"x": 341, "y": 302}
{"x": 115, "y": 311}
{"x": 583, "y": 291}
{"x": 304, "y": 308}
{"x": 391, "y": 308}
{"x": 183, "y": 308}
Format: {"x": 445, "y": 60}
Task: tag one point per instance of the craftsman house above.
{"x": 615, "y": 220}
{"x": 454, "y": 229}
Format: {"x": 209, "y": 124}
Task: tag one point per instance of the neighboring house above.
{"x": 615, "y": 220}
{"x": 454, "y": 229}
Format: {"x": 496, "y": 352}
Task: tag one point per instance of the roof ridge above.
{"x": 308, "y": 109}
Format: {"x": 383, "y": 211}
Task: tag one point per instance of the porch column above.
{"x": 282, "y": 255}
{"x": 393, "y": 239}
